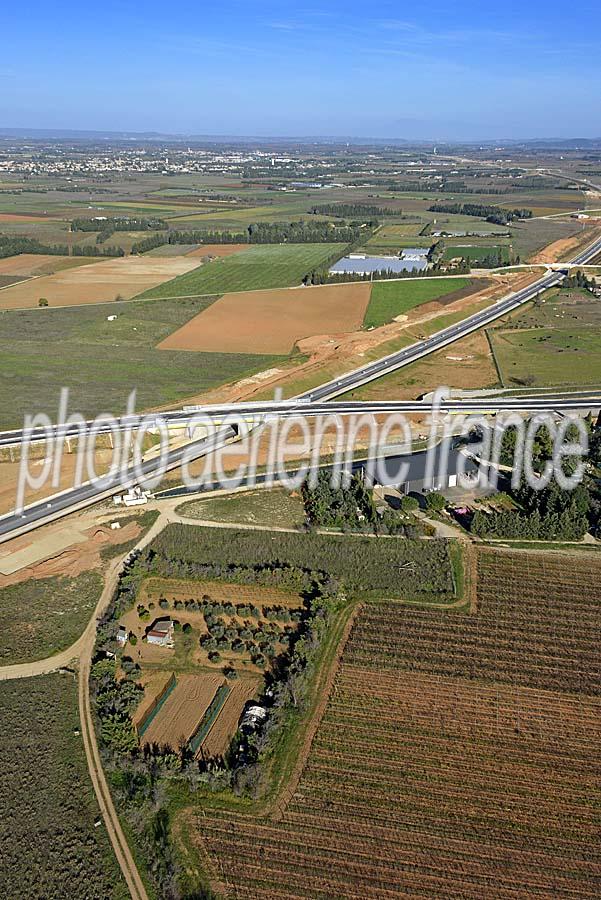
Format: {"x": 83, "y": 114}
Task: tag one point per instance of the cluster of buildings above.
{"x": 160, "y": 633}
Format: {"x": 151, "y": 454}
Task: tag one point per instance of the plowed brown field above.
{"x": 272, "y": 321}
{"x": 97, "y": 283}
{"x": 458, "y": 755}
{"x": 183, "y": 710}
{"x": 218, "y": 739}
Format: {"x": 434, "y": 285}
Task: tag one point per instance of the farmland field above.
{"x": 6, "y": 280}
{"x": 458, "y": 756}
{"x": 258, "y": 267}
{"x": 96, "y": 283}
{"x": 274, "y": 507}
{"x": 219, "y": 736}
{"x": 390, "y": 238}
{"x": 218, "y": 250}
{"x": 42, "y": 617}
{"x": 48, "y": 843}
{"x": 171, "y": 250}
{"x": 27, "y": 264}
{"x": 394, "y": 298}
{"x": 552, "y": 344}
{"x": 272, "y": 321}
{"x": 101, "y": 361}
{"x": 475, "y": 252}
{"x": 530, "y": 236}
{"x": 399, "y": 566}
{"x": 183, "y": 710}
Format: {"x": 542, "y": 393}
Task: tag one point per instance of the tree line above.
{"x": 120, "y": 223}
{"x": 455, "y": 187}
{"x": 13, "y": 246}
{"x": 495, "y": 214}
{"x": 552, "y": 513}
{"x": 353, "y": 211}
{"x": 300, "y": 232}
{"x": 324, "y": 276}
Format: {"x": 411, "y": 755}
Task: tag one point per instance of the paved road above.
{"x": 45, "y": 511}
{"x": 310, "y": 407}
{"x": 357, "y": 377}
{"x": 76, "y": 498}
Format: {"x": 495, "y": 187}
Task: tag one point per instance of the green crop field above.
{"x": 141, "y": 208}
{"x": 171, "y": 250}
{"x": 48, "y": 843}
{"x": 394, "y": 298}
{"x": 476, "y": 252}
{"x": 43, "y": 616}
{"x": 237, "y": 218}
{"x": 558, "y": 343}
{"x": 101, "y": 362}
{"x": 261, "y": 266}
{"x": 388, "y": 237}
{"x": 549, "y": 356}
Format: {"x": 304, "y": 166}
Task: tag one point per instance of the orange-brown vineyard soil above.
{"x": 458, "y": 755}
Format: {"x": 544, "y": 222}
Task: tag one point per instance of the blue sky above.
{"x": 463, "y": 70}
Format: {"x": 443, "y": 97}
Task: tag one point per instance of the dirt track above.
{"x": 82, "y": 650}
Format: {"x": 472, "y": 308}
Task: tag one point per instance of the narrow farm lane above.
{"x": 81, "y": 652}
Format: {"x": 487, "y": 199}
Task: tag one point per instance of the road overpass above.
{"x": 258, "y": 412}
{"x": 364, "y": 374}
{"x": 310, "y": 402}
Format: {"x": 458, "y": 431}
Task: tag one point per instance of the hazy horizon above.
{"x": 438, "y": 73}
{"x": 125, "y": 134}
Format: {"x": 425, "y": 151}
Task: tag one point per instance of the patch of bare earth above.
{"x": 328, "y": 353}
{"x": 272, "y": 321}
{"x": 565, "y": 248}
{"x": 76, "y": 556}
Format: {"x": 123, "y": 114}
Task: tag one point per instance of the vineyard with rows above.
{"x": 458, "y": 755}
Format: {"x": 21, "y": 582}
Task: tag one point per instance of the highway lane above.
{"x": 312, "y": 408}
{"x": 447, "y": 336}
{"x": 91, "y": 492}
{"x": 437, "y": 341}
{"x": 350, "y": 380}
{"x": 76, "y": 498}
